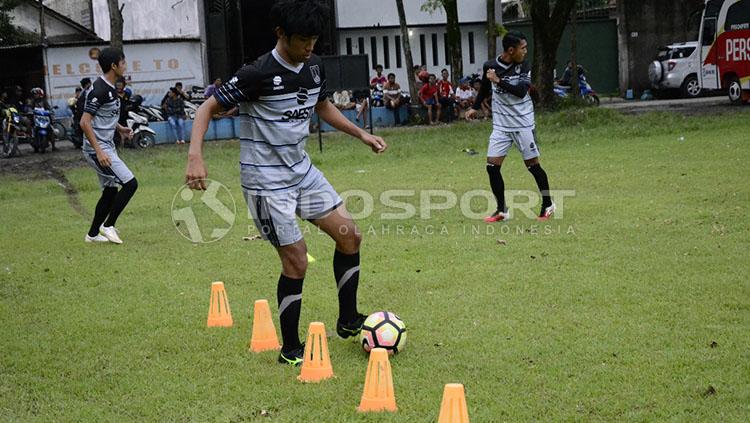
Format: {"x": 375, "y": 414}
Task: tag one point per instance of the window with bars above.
{"x": 398, "y": 51}
{"x": 386, "y": 53}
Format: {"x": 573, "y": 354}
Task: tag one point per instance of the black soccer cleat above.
{"x": 347, "y": 330}
{"x": 293, "y": 357}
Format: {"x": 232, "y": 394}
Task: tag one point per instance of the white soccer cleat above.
{"x": 110, "y": 233}
{"x": 547, "y": 213}
{"x": 97, "y": 238}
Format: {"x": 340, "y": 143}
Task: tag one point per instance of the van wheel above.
{"x": 691, "y": 88}
{"x": 735, "y": 90}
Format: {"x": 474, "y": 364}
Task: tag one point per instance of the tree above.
{"x": 9, "y": 34}
{"x": 454, "y": 34}
{"x": 115, "y": 24}
{"x": 491, "y": 30}
{"x": 549, "y": 24}
{"x": 407, "y": 52}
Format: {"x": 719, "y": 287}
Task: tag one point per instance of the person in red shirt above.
{"x": 378, "y": 79}
{"x": 428, "y": 95}
{"x": 445, "y": 93}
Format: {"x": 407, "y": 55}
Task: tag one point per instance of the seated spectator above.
{"x": 465, "y": 95}
{"x": 362, "y": 106}
{"x": 392, "y": 96}
{"x": 445, "y": 93}
{"x": 342, "y": 100}
{"x": 428, "y": 96}
{"x": 378, "y": 78}
{"x": 486, "y": 111}
{"x": 418, "y": 77}
{"x": 175, "y": 112}
{"x": 211, "y": 89}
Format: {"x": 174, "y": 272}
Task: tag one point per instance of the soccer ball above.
{"x": 383, "y": 329}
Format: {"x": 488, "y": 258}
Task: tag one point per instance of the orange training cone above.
{"x": 219, "y": 314}
{"x": 316, "y": 365}
{"x": 378, "y": 393}
{"x": 453, "y": 408}
{"x": 264, "y": 333}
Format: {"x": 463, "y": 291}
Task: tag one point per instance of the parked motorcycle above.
{"x": 587, "y": 92}
{"x": 42, "y": 131}
{"x": 12, "y": 128}
{"x": 143, "y": 136}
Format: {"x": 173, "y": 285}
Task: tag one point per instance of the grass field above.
{"x": 635, "y": 306}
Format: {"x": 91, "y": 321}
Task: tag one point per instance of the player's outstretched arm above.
{"x": 195, "y": 174}
{"x": 329, "y": 113}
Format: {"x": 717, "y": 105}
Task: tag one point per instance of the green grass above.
{"x": 607, "y": 314}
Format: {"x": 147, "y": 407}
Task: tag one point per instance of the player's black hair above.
{"x": 512, "y": 40}
{"x": 178, "y": 84}
{"x": 379, "y": 66}
{"x": 85, "y": 81}
{"x": 444, "y": 70}
{"x": 108, "y": 57}
{"x": 391, "y": 75}
{"x": 79, "y": 89}
{"x": 306, "y": 18}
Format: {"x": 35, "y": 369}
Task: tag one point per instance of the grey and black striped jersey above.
{"x": 103, "y": 104}
{"x": 276, "y": 103}
{"x": 512, "y": 107}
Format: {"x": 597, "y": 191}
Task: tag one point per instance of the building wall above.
{"x": 369, "y": 13}
{"x": 152, "y": 69}
{"x": 26, "y": 16}
{"x": 151, "y": 19}
{"x": 646, "y": 25}
{"x": 434, "y": 63}
{"x": 596, "y": 51}
{"x": 77, "y": 10}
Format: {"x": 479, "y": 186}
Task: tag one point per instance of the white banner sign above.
{"x": 152, "y": 69}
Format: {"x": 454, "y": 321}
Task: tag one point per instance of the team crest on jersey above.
{"x": 110, "y": 95}
{"x": 233, "y": 80}
{"x": 315, "y": 71}
{"x": 302, "y": 96}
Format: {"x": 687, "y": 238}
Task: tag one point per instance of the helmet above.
{"x": 136, "y": 100}
{"x": 36, "y": 91}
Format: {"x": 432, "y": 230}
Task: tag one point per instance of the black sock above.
{"x": 121, "y": 200}
{"x": 541, "y": 181}
{"x": 497, "y": 185}
{"x": 103, "y": 206}
{"x": 289, "y": 295}
{"x": 346, "y": 272}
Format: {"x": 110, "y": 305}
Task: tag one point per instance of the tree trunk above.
{"x": 406, "y": 46}
{"x": 454, "y": 40}
{"x": 575, "y": 88}
{"x": 115, "y": 24}
{"x": 548, "y": 29}
{"x": 491, "y": 30}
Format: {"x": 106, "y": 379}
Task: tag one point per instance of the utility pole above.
{"x": 42, "y": 33}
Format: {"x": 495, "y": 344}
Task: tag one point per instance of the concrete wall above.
{"x": 370, "y": 13}
{"x": 151, "y": 19}
{"x": 644, "y": 26}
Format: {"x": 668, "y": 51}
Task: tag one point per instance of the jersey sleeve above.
{"x": 244, "y": 86}
{"x": 323, "y": 85}
{"x": 94, "y": 100}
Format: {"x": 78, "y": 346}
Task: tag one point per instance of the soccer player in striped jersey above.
{"x": 508, "y": 78}
{"x": 277, "y": 95}
{"x": 99, "y": 122}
